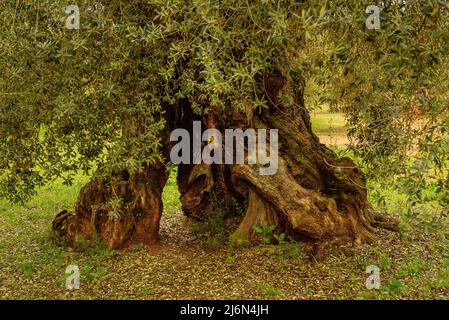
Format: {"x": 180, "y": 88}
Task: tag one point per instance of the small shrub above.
{"x": 280, "y": 238}
{"x": 265, "y": 231}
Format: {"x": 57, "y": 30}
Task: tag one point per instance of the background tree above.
{"x": 104, "y": 99}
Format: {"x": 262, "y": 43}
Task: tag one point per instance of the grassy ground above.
{"x": 191, "y": 264}
{"x": 330, "y": 127}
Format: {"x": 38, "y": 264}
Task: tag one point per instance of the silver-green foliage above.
{"x": 93, "y": 97}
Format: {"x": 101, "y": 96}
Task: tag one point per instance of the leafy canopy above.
{"x": 79, "y": 99}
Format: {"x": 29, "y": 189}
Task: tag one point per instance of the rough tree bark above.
{"x": 122, "y": 209}
{"x": 138, "y": 213}
{"x": 315, "y": 196}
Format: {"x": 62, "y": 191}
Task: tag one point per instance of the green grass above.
{"x": 34, "y": 267}
{"x": 394, "y": 287}
{"x": 269, "y": 291}
{"x": 171, "y": 194}
{"x": 414, "y": 268}
{"x": 414, "y": 265}
{"x": 325, "y": 123}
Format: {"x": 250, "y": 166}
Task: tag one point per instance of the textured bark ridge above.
{"x": 133, "y": 219}
{"x": 314, "y": 197}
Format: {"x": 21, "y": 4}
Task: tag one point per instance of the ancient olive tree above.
{"x": 105, "y": 98}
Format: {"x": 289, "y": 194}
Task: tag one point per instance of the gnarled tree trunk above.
{"x": 122, "y": 210}
{"x": 314, "y": 196}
